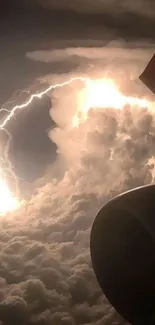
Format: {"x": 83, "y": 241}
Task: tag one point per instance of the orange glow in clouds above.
{"x": 102, "y": 93}
{"x": 8, "y": 202}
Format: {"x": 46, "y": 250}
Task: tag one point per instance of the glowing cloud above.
{"x": 96, "y": 94}
{"x": 103, "y": 93}
{"x": 7, "y": 201}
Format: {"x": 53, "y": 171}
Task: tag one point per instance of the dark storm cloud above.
{"x": 128, "y": 19}
{"x": 30, "y": 142}
{"x": 43, "y": 22}
{"x": 98, "y": 6}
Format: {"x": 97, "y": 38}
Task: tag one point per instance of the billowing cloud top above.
{"x": 45, "y": 270}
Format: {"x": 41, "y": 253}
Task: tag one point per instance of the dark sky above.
{"x": 45, "y": 269}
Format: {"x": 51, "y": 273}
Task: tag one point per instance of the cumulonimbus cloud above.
{"x": 45, "y": 271}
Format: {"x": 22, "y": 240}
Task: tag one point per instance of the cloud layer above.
{"x": 45, "y": 272}
{"x": 110, "y": 6}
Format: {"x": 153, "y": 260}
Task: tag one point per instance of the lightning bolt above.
{"x": 38, "y": 95}
{"x": 11, "y": 114}
{"x": 18, "y": 94}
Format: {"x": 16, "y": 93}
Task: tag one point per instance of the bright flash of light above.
{"x": 38, "y": 95}
{"x": 103, "y": 93}
{"x": 7, "y": 201}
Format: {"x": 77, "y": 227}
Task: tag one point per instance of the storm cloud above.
{"x": 45, "y": 271}
{"x": 98, "y": 6}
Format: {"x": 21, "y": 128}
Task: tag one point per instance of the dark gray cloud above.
{"x": 128, "y": 19}
{"x": 98, "y": 6}
{"x": 27, "y": 148}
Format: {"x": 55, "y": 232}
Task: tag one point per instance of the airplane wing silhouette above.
{"x": 148, "y": 75}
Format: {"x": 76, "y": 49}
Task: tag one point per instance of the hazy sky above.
{"x": 45, "y": 270}
{"x": 98, "y": 6}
